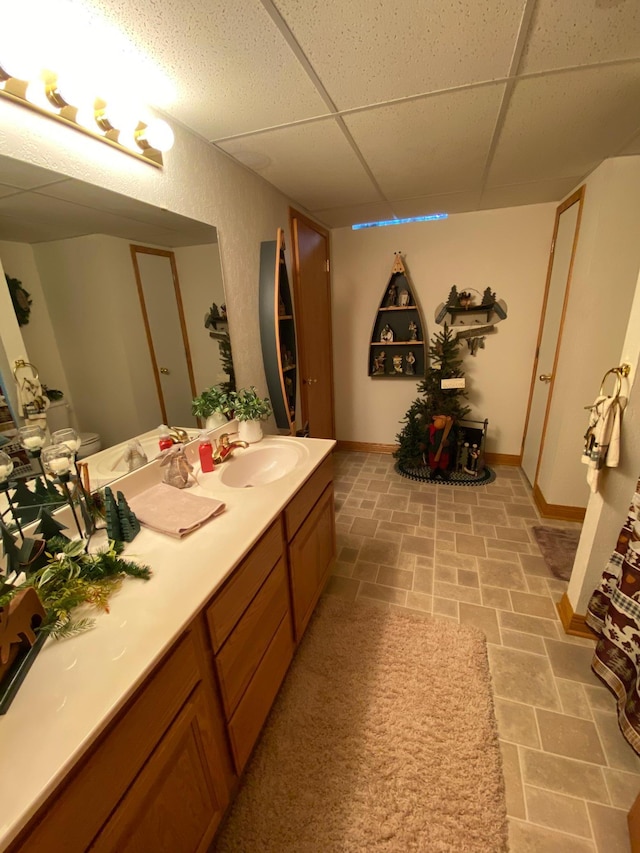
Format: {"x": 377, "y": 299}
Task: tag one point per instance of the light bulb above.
{"x": 36, "y": 94}
{"x": 73, "y": 91}
{"x": 157, "y": 134}
{"x": 20, "y": 59}
{"x": 119, "y": 115}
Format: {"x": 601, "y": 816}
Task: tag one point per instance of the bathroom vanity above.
{"x": 133, "y": 736}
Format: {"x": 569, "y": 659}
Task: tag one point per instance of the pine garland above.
{"x": 72, "y": 578}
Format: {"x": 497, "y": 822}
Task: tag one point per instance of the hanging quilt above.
{"x": 614, "y": 614}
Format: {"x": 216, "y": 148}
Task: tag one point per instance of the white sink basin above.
{"x": 260, "y": 466}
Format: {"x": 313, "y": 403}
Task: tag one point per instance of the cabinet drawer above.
{"x": 255, "y": 705}
{"x": 234, "y": 598}
{"x": 305, "y": 499}
{"x": 238, "y": 659}
{"x": 78, "y": 811}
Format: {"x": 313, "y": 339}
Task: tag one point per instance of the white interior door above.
{"x": 169, "y": 348}
{"x": 563, "y": 249}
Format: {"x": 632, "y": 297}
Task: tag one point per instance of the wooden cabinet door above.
{"x": 311, "y": 554}
{"x": 179, "y": 797}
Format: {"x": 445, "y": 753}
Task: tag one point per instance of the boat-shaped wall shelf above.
{"x": 398, "y": 340}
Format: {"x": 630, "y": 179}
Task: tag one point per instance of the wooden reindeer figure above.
{"x": 18, "y": 619}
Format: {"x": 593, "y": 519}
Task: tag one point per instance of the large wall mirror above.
{"x": 73, "y": 246}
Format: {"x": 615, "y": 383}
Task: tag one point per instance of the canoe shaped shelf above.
{"x": 277, "y": 332}
{"x": 398, "y": 340}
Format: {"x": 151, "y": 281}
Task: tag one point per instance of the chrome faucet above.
{"x": 225, "y": 447}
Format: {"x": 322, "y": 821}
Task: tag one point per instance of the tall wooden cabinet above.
{"x": 277, "y": 332}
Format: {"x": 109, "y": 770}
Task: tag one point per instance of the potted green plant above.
{"x": 215, "y": 404}
{"x": 250, "y": 410}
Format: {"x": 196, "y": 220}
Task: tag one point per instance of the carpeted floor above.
{"x": 558, "y": 547}
{"x": 383, "y": 738}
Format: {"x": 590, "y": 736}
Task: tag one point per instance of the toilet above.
{"x": 58, "y": 417}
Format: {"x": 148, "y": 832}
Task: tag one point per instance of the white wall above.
{"x": 197, "y": 181}
{"x": 607, "y": 509}
{"x": 91, "y": 295}
{"x": 38, "y": 335}
{"x": 200, "y": 277}
{"x": 506, "y": 250}
{"x": 602, "y": 289}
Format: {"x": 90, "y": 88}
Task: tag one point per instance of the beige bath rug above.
{"x": 383, "y": 738}
{"x": 558, "y": 546}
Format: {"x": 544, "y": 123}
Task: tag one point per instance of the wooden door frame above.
{"x": 576, "y": 197}
{"x": 165, "y": 253}
{"x": 300, "y": 330}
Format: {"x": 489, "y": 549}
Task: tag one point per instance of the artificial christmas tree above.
{"x": 414, "y": 439}
{"x": 48, "y": 526}
{"x": 129, "y": 524}
{"x": 435, "y": 436}
{"x": 112, "y": 517}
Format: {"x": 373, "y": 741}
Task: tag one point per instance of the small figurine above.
{"x": 397, "y": 364}
{"x": 378, "y": 363}
{"x": 392, "y": 295}
{"x": 404, "y": 299}
{"x": 465, "y": 299}
{"x": 179, "y": 469}
{"x": 413, "y": 331}
{"x": 134, "y": 455}
{"x": 386, "y": 335}
{"x": 472, "y": 462}
{"x": 410, "y": 361}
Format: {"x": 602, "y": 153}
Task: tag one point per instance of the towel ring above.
{"x": 618, "y": 372}
{"x": 20, "y": 364}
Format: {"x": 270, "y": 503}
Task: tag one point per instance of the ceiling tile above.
{"x": 564, "y": 124}
{"x": 431, "y": 145}
{"x": 632, "y": 147}
{"x": 311, "y": 163}
{"x": 537, "y": 193}
{"x": 25, "y": 176}
{"x": 443, "y": 203}
{"x": 368, "y": 51}
{"x": 575, "y": 32}
{"x": 98, "y": 198}
{"x": 231, "y": 67}
{"x": 338, "y": 217}
{"x": 5, "y": 191}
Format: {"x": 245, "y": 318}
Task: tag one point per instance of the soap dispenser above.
{"x": 205, "y": 451}
{"x": 164, "y": 437}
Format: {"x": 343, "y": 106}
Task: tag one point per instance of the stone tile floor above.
{"x": 468, "y": 554}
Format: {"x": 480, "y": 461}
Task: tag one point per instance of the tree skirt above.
{"x": 425, "y": 475}
{"x": 383, "y": 738}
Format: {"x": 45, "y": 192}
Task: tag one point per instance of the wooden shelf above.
{"x": 400, "y": 352}
{"x": 278, "y": 339}
{"x": 400, "y": 308}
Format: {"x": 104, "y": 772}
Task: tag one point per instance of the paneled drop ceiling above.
{"x": 373, "y": 109}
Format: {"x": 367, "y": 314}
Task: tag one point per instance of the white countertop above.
{"x": 76, "y": 686}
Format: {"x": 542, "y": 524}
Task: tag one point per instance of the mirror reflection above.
{"x": 113, "y": 296}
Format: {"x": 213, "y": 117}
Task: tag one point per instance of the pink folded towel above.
{"x": 169, "y": 510}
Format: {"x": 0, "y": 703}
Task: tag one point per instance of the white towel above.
{"x": 602, "y": 439}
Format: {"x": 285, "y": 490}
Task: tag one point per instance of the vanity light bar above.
{"x": 384, "y": 222}
{"x": 137, "y": 142}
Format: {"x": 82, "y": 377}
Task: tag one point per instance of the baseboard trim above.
{"x": 557, "y": 511}
{"x": 573, "y": 623}
{"x": 364, "y": 447}
{"x": 510, "y": 459}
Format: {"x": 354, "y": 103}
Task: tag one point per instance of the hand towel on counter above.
{"x": 166, "y": 509}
